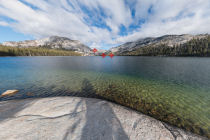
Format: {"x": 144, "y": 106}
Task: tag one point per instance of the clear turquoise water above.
{"x": 172, "y": 89}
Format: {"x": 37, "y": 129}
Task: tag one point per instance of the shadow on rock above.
{"x": 10, "y": 109}
{"x": 100, "y": 120}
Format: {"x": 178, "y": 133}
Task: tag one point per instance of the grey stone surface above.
{"x": 74, "y": 118}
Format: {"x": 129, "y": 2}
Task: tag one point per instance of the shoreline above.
{"x": 77, "y": 117}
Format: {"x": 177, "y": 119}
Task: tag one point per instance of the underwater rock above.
{"x": 73, "y": 118}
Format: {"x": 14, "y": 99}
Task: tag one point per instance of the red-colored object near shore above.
{"x": 103, "y": 55}
{"x": 111, "y": 55}
{"x": 95, "y": 50}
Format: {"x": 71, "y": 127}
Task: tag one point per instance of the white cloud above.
{"x": 171, "y": 17}
{"x": 79, "y": 19}
{"x": 3, "y": 23}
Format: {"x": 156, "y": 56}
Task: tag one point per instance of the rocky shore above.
{"x": 75, "y": 118}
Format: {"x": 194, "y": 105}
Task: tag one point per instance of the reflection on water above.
{"x": 175, "y": 90}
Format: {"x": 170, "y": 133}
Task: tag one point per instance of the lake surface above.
{"x": 172, "y": 89}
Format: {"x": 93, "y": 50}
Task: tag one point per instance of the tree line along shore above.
{"x": 35, "y": 51}
{"x": 194, "y": 47}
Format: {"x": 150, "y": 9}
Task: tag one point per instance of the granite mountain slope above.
{"x": 168, "y": 40}
{"x": 53, "y": 42}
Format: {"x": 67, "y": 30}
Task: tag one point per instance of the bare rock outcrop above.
{"x": 74, "y": 118}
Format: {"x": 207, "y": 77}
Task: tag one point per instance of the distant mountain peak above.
{"x": 54, "y": 38}
{"x": 53, "y": 42}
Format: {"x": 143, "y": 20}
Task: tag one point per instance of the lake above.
{"x": 172, "y": 89}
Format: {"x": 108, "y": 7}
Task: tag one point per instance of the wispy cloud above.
{"x": 105, "y": 22}
{"x": 3, "y": 23}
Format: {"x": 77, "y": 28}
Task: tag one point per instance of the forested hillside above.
{"x": 194, "y": 47}
{"x": 34, "y": 51}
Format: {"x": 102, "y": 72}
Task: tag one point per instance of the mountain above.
{"x": 167, "y": 45}
{"x": 53, "y": 42}
{"x": 152, "y": 43}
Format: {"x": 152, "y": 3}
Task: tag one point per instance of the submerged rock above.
{"x": 73, "y": 118}
{"x": 9, "y": 93}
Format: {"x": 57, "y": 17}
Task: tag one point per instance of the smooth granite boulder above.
{"x": 9, "y": 93}
{"x": 74, "y": 118}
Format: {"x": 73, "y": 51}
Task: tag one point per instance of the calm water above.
{"x": 175, "y": 90}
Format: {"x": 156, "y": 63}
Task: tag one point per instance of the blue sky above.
{"x": 9, "y": 34}
{"x": 102, "y": 23}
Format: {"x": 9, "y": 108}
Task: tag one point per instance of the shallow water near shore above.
{"x": 172, "y": 89}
